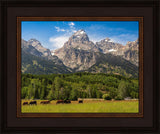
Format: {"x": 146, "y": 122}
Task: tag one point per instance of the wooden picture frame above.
{"x": 145, "y": 12}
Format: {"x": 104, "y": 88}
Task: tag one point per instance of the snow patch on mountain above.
{"x": 52, "y": 53}
{"x": 80, "y": 32}
{"x": 108, "y": 40}
{"x": 112, "y": 50}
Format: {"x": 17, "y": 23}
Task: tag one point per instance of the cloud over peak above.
{"x": 58, "y": 29}
{"x": 71, "y": 24}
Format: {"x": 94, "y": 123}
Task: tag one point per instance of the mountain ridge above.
{"x": 81, "y": 54}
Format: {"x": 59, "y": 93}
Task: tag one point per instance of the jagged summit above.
{"x": 33, "y": 40}
{"x": 35, "y": 43}
{"x": 106, "y": 45}
{"x": 79, "y": 36}
{"x": 133, "y": 44}
{"x": 108, "y": 40}
{"x": 37, "y": 46}
{"x": 80, "y": 40}
{"x": 80, "y": 32}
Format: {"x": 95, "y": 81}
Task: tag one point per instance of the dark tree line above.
{"x": 78, "y": 85}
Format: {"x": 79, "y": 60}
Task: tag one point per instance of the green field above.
{"x": 131, "y": 106}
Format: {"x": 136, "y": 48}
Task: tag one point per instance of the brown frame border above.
{"x": 19, "y": 19}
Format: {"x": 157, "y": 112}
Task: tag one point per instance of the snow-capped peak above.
{"x": 108, "y": 40}
{"x": 80, "y": 32}
{"x": 33, "y": 40}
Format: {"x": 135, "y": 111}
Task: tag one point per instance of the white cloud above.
{"x": 71, "y": 24}
{"x": 59, "y": 29}
{"x": 58, "y": 42}
{"x": 72, "y": 27}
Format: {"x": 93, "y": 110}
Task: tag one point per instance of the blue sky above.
{"x": 53, "y": 34}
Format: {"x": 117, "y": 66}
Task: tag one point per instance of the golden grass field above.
{"x": 88, "y": 106}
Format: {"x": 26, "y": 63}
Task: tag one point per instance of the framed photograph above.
{"x": 100, "y": 78}
{"x": 89, "y": 66}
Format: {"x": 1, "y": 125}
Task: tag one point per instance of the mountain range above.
{"x": 79, "y": 54}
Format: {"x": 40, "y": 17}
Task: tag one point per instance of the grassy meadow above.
{"x": 101, "y": 93}
{"x": 91, "y": 106}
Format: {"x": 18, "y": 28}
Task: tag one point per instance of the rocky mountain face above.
{"x": 81, "y": 54}
{"x": 37, "y": 65}
{"x": 78, "y": 40}
{"x": 35, "y": 48}
{"x": 74, "y": 52}
{"x": 38, "y": 60}
{"x": 107, "y": 46}
{"x": 78, "y": 52}
{"x": 78, "y": 59}
{"x": 132, "y": 52}
{"x": 129, "y": 52}
{"x": 27, "y": 47}
{"x": 37, "y": 45}
{"x": 111, "y": 64}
